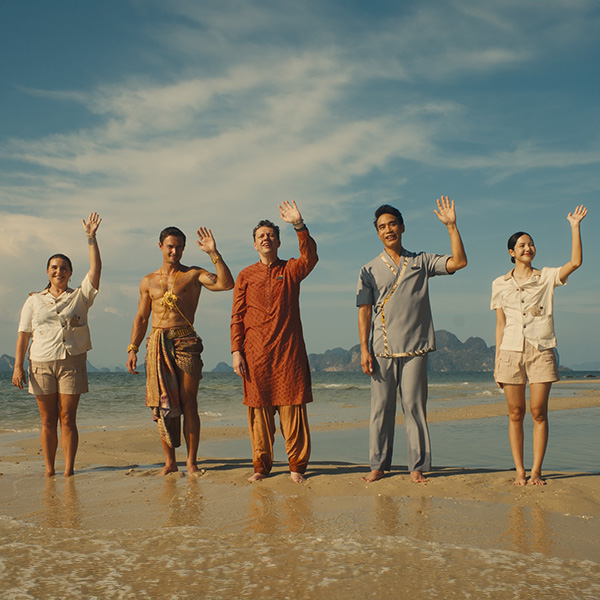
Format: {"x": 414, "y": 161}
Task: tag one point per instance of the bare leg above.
{"x": 539, "y": 393}
{"x": 418, "y": 477}
{"x": 48, "y": 406}
{"x": 188, "y": 393}
{"x": 69, "y": 436}
{"x": 374, "y": 475}
{"x": 170, "y": 461}
{"x": 515, "y": 398}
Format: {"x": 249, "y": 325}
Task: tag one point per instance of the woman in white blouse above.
{"x": 525, "y": 340}
{"x": 55, "y": 321}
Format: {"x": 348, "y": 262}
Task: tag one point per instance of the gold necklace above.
{"x": 169, "y": 298}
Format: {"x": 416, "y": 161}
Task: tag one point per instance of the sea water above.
{"x": 186, "y": 539}
{"x": 116, "y": 401}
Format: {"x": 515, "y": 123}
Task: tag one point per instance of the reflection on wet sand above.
{"x": 529, "y": 530}
{"x": 274, "y": 514}
{"x": 61, "y": 509}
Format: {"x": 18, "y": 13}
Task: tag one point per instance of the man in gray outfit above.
{"x": 395, "y": 341}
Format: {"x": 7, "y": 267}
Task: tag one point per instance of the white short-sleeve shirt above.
{"x": 58, "y": 325}
{"x": 528, "y": 308}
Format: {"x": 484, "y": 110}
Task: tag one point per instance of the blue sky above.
{"x": 194, "y": 113}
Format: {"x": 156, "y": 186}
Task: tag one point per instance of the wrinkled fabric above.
{"x": 163, "y": 357}
{"x": 266, "y": 328}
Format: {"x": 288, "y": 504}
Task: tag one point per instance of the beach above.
{"x": 116, "y": 530}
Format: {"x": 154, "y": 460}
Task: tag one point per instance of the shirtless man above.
{"x": 173, "y": 363}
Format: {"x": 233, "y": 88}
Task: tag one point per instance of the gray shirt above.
{"x": 402, "y": 324}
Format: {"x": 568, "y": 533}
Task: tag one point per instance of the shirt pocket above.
{"x": 543, "y": 327}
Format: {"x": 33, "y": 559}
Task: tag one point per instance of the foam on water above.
{"x": 185, "y": 563}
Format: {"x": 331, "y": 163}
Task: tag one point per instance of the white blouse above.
{"x": 528, "y": 308}
{"x": 58, "y": 325}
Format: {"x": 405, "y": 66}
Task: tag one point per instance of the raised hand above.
{"x": 577, "y": 215}
{"x": 206, "y": 241}
{"x": 445, "y": 211}
{"x": 91, "y": 225}
{"x": 289, "y": 212}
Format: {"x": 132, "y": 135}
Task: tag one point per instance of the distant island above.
{"x": 451, "y": 355}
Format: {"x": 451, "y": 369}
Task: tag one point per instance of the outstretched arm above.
{"x": 365, "y": 316}
{"x": 91, "y": 227}
{"x": 447, "y": 215}
{"x": 223, "y": 280}
{"x": 574, "y": 219}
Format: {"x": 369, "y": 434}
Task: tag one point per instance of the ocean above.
{"x": 116, "y": 401}
{"x": 114, "y": 533}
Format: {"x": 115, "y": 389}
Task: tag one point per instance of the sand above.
{"x": 116, "y": 530}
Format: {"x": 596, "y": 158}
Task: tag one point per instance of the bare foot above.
{"x": 418, "y": 477}
{"x": 374, "y": 475}
{"x": 256, "y": 477}
{"x": 70, "y": 473}
{"x": 167, "y": 469}
{"x": 192, "y": 468}
{"x": 50, "y": 473}
{"x": 297, "y": 477}
{"x": 536, "y": 479}
{"x": 520, "y": 479}
{"x": 197, "y": 473}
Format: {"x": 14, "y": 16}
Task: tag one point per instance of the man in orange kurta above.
{"x": 268, "y": 346}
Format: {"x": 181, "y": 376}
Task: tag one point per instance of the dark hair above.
{"x": 512, "y": 241}
{"x": 386, "y": 209}
{"x": 173, "y": 231}
{"x": 62, "y": 257}
{"x": 266, "y": 223}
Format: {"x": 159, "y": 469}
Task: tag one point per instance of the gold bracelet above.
{"x": 132, "y": 347}
{"x": 216, "y": 260}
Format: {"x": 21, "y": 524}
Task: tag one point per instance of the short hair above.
{"x": 62, "y": 257}
{"x": 386, "y": 209}
{"x": 266, "y": 223}
{"x": 173, "y": 231}
{"x": 512, "y": 241}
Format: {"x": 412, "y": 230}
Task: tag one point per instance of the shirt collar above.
{"x": 535, "y": 276}
{"x": 46, "y": 291}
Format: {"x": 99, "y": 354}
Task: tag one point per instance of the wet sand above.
{"x": 115, "y": 530}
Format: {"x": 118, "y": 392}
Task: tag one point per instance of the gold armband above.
{"x": 132, "y": 347}
{"x": 215, "y": 259}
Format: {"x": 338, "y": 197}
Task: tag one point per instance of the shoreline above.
{"x": 102, "y": 532}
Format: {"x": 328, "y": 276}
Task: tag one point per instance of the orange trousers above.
{"x": 294, "y": 428}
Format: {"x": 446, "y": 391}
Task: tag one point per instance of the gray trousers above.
{"x": 409, "y": 376}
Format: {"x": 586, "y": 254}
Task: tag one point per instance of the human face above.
{"x": 172, "y": 248}
{"x": 390, "y": 231}
{"x": 266, "y": 241}
{"x": 524, "y": 251}
{"x": 59, "y": 273}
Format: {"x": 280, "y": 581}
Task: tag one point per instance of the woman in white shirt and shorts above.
{"x": 55, "y": 321}
{"x": 525, "y": 340}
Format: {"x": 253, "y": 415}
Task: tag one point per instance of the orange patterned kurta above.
{"x": 266, "y": 328}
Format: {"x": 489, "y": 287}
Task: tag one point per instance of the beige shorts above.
{"x": 66, "y": 376}
{"x": 537, "y": 366}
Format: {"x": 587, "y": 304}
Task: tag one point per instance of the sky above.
{"x": 203, "y": 113}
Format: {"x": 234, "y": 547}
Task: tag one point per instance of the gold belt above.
{"x": 175, "y": 333}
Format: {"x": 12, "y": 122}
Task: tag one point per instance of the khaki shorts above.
{"x": 66, "y": 376}
{"x": 539, "y": 366}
